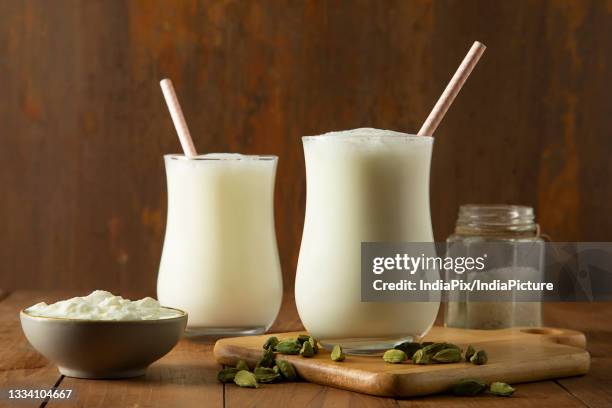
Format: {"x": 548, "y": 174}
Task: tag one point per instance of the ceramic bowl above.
{"x": 102, "y": 349}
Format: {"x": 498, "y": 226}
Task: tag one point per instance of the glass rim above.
{"x": 230, "y": 157}
{"x": 366, "y": 137}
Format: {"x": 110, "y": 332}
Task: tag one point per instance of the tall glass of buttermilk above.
{"x": 220, "y": 259}
{"x": 362, "y": 185}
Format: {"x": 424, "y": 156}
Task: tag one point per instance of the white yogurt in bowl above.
{"x": 103, "y": 305}
{"x": 102, "y": 335}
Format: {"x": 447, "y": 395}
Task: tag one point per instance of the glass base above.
{"x": 366, "y": 346}
{"x": 195, "y": 332}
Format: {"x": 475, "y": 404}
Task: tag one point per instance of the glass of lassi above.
{"x": 220, "y": 259}
{"x": 363, "y": 185}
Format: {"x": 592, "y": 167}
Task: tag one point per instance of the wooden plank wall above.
{"x": 83, "y": 124}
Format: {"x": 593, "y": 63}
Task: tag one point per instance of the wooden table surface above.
{"x": 187, "y": 376}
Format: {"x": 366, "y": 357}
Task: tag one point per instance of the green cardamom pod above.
{"x": 242, "y": 365}
{"x": 337, "y": 354}
{"x": 451, "y": 345}
{"x": 479, "y": 358}
{"x": 227, "y": 374}
{"x": 394, "y": 356}
{"x": 267, "y": 378}
{"x": 468, "y": 387}
{"x": 263, "y": 370}
{"x": 435, "y": 347}
{"x": 408, "y": 347}
{"x": 469, "y": 352}
{"x": 246, "y": 379}
{"x": 306, "y": 350}
{"x": 501, "y": 389}
{"x": 421, "y": 357}
{"x": 287, "y": 370}
{"x": 288, "y": 347}
{"x": 266, "y": 375}
{"x": 270, "y": 343}
{"x": 449, "y": 355}
{"x": 302, "y": 338}
{"x": 276, "y": 369}
{"x": 267, "y": 359}
{"x": 313, "y": 343}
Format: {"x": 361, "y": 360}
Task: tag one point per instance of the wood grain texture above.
{"x": 539, "y": 394}
{"x": 188, "y": 369}
{"x": 288, "y": 318}
{"x": 301, "y": 394}
{"x": 594, "y": 319}
{"x": 514, "y": 355}
{"x": 21, "y": 367}
{"x": 186, "y": 377}
{"x": 85, "y": 126}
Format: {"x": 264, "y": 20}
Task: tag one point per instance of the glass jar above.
{"x": 510, "y": 237}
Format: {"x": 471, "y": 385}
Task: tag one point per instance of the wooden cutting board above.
{"x": 515, "y": 355}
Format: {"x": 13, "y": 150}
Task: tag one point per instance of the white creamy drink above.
{"x": 220, "y": 260}
{"x": 363, "y": 185}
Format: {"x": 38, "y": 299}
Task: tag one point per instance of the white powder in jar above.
{"x": 503, "y": 313}
{"x": 103, "y": 305}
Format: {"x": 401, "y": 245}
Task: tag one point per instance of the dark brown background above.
{"x": 84, "y": 125}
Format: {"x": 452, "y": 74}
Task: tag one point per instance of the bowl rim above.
{"x": 23, "y": 312}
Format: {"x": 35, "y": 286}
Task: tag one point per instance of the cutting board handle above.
{"x": 560, "y": 336}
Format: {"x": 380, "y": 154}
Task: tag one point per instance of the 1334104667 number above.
{"x": 39, "y": 394}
